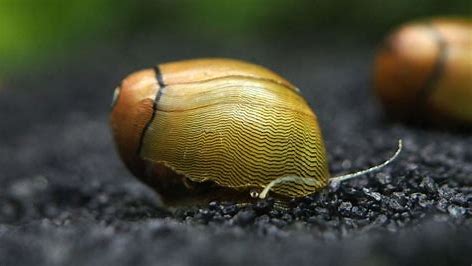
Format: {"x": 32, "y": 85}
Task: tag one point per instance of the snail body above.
{"x": 218, "y": 129}
{"x": 424, "y": 71}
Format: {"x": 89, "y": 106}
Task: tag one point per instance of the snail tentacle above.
{"x": 312, "y": 181}
{"x": 369, "y": 170}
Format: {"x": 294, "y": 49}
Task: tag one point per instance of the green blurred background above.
{"x": 32, "y": 32}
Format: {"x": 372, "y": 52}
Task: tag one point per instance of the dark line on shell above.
{"x": 159, "y": 77}
{"x": 438, "y": 69}
{"x": 160, "y": 81}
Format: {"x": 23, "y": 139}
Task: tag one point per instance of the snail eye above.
{"x": 116, "y": 94}
{"x": 253, "y": 193}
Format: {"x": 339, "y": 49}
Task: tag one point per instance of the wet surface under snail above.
{"x": 66, "y": 199}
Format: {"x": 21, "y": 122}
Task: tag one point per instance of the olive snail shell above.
{"x": 193, "y": 128}
{"x": 424, "y": 69}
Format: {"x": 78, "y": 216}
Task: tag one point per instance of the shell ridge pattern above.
{"x": 228, "y": 155}
{"x": 224, "y": 93}
{"x": 283, "y": 84}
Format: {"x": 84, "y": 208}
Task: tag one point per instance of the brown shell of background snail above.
{"x": 423, "y": 71}
{"x": 206, "y": 129}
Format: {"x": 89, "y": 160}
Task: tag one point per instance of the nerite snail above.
{"x": 424, "y": 70}
{"x": 219, "y": 129}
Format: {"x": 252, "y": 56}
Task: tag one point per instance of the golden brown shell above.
{"x": 225, "y": 122}
{"x": 425, "y": 69}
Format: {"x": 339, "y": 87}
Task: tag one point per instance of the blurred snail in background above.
{"x": 423, "y": 71}
{"x": 219, "y": 129}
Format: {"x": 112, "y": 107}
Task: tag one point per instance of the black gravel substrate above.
{"x": 66, "y": 199}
